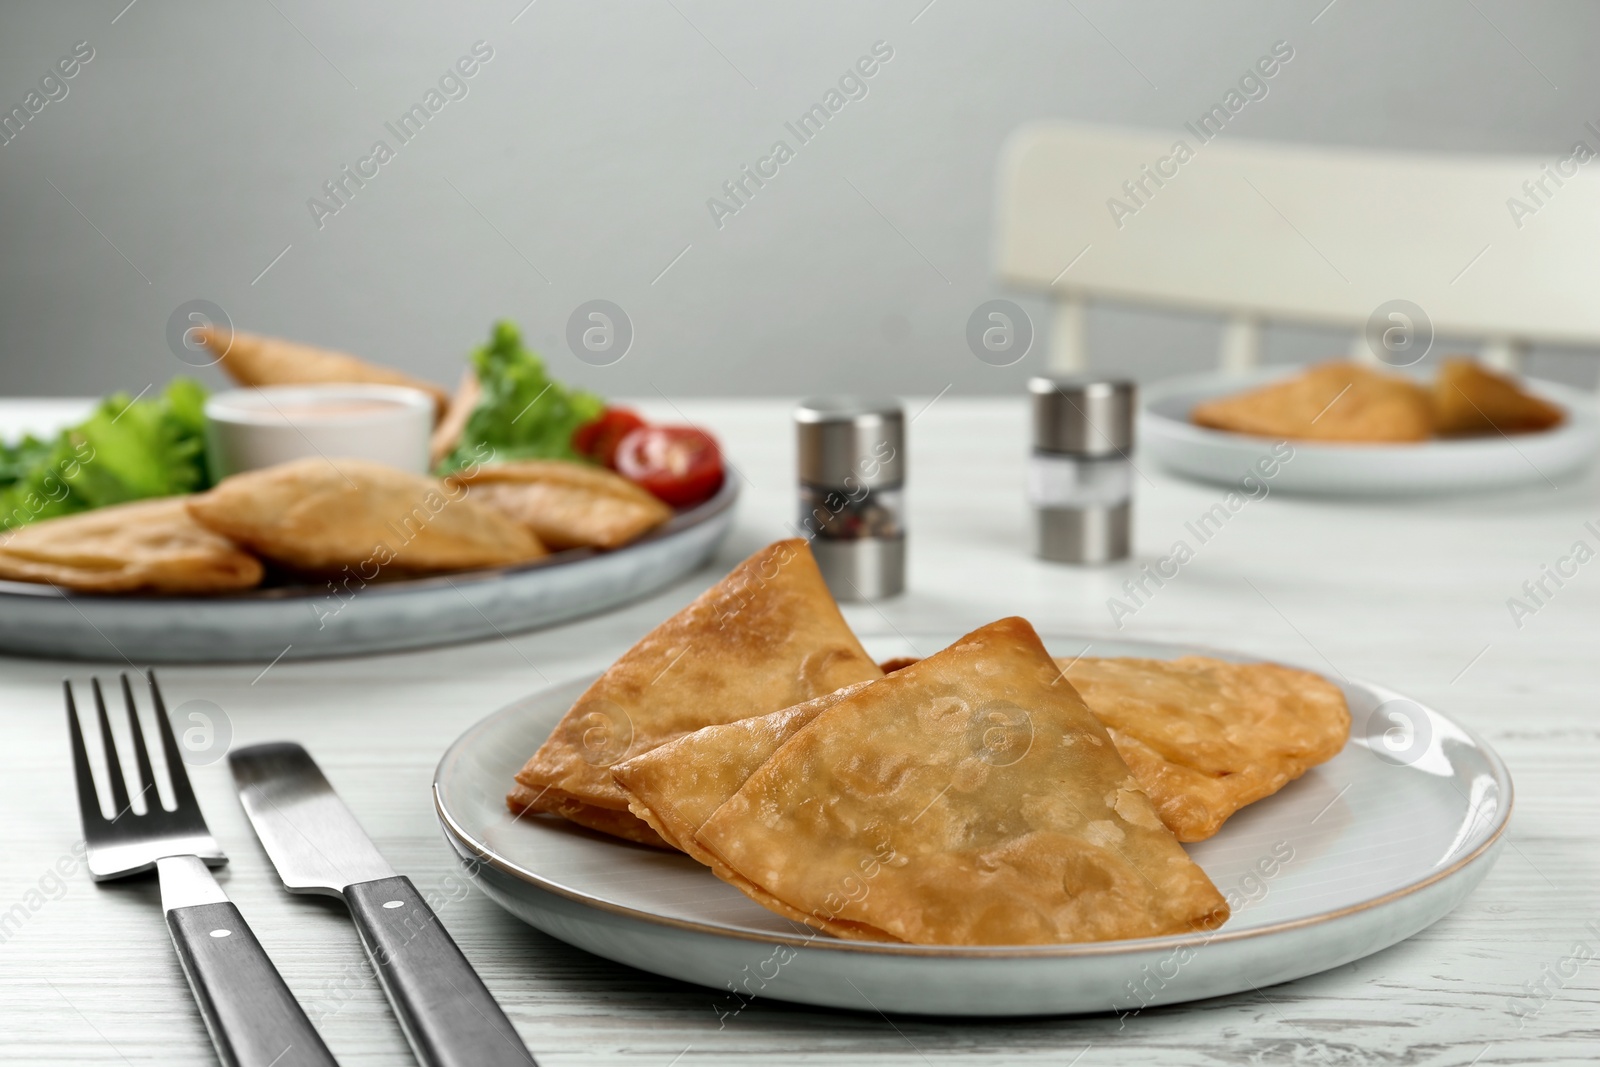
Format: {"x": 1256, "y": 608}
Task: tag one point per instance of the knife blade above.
{"x": 310, "y": 836}
{"x": 446, "y": 1012}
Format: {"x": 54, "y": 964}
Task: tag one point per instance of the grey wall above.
{"x": 579, "y": 165}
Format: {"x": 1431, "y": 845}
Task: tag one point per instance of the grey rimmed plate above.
{"x": 1465, "y": 465}
{"x": 1360, "y": 853}
{"x": 309, "y": 621}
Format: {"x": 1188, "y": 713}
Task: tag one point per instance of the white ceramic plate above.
{"x": 301, "y": 622}
{"x": 1431, "y": 467}
{"x": 1359, "y": 854}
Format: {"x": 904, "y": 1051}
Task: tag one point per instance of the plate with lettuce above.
{"x": 135, "y": 448}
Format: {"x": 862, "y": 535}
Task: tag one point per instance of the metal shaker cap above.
{"x": 1082, "y": 416}
{"x": 861, "y": 439}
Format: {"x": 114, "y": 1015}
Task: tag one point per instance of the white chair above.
{"x": 1501, "y": 248}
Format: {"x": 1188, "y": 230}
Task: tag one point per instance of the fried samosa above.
{"x": 1338, "y": 401}
{"x": 1205, "y": 737}
{"x": 677, "y": 786}
{"x": 317, "y": 517}
{"x": 252, "y": 360}
{"x": 766, "y": 637}
{"x": 565, "y": 504}
{"x": 146, "y": 546}
{"x": 1469, "y": 400}
{"x": 967, "y": 799}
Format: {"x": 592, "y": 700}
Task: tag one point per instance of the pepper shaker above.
{"x": 1080, "y": 476}
{"x": 852, "y": 505}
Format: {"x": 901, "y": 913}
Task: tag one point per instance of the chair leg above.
{"x": 1361, "y": 352}
{"x": 1504, "y": 354}
{"x": 1241, "y": 343}
{"x": 1068, "y": 353}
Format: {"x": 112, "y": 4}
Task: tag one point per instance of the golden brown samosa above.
{"x": 1205, "y": 737}
{"x": 1470, "y": 399}
{"x": 1337, "y": 401}
{"x": 252, "y": 360}
{"x": 766, "y": 637}
{"x": 566, "y": 504}
{"x": 677, "y": 787}
{"x": 146, "y": 546}
{"x": 318, "y": 516}
{"x": 967, "y": 799}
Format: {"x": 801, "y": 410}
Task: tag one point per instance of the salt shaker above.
{"x": 852, "y": 506}
{"x": 1080, "y": 477}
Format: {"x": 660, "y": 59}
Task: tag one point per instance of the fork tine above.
{"x": 182, "y": 795}
{"x": 88, "y": 799}
{"x": 119, "y": 787}
{"x": 141, "y": 754}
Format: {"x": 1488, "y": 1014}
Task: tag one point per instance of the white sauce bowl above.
{"x": 247, "y": 429}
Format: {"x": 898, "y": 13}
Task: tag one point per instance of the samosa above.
{"x": 766, "y": 637}
{"x": 566, "y": 504}
{"x": 968, "y": 799}
{"x": 318, "y": 516}
{"x": 1337, "y": 401}
{"x": 678, "y": 786}
{"x": 253, "y": 360}
{"x": 145, "y": 546}
{"x": 1469, "y": 399}
{"x": 1205, "y": 737}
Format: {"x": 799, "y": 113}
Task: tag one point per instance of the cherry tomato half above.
{"x": 598, "y": 438}
{"x": 679, "y": 464}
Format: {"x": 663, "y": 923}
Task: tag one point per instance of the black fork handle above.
{"x": 253, "y": 1019}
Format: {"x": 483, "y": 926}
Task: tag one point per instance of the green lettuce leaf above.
{"x": 522, "y": 413}
{"x": 18, "y": 459}
{"x": 126, "y": 449}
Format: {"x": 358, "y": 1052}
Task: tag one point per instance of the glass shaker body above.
{"x": 1080, "y": 474}
{"x": 851, "y": 493}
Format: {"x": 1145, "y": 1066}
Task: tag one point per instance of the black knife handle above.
{"x": 253, "y": 1019}
{"x": 446, "y": 1011}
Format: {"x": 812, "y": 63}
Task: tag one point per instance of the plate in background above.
{"x": 313, "y": 621}
{"x": 1357, "y": 855}
{"x": 1429, "y": 467}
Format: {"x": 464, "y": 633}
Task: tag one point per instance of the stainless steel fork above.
{"x": 253, "y": 1019}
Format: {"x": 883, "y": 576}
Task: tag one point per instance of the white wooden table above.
{"x": 1411, "y": 595}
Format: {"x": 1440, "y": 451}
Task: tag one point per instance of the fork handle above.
{"x": 253, "y": 1019}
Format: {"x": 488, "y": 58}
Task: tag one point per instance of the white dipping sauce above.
{"x": 247, "y": 429}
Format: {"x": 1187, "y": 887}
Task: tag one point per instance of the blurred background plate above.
{"x": 311, "y": 621}
{"x": 1357, "y": 855}
{"x": 1431, "y": 467}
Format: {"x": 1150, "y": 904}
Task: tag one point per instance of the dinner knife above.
{"x": 447, "y": 1013}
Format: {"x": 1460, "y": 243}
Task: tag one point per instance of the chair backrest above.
{"x": 1505, "y": 248}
